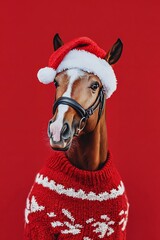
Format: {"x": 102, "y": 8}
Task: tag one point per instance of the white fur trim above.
{"x": 46, "y": 75}
{"x": 89, "y": 62}
{"x": 80, "y": 194}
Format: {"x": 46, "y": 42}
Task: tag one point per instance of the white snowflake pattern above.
{"x": 72, "y": 227}
{"x": 102, "y": 227}
{"x": 32, "y": 207}
{"x": 124, "y": 220}
{"x": 51, "y": 214}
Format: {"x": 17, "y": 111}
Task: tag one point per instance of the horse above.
{"x": 91, "y": 141}
{"x": 79, "y": 193}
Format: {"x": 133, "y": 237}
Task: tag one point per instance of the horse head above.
{"x": 76, "y": 92}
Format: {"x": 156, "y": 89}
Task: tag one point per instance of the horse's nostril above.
{"x": 51, "y": 121}
{"x": 48, "y": 129}
{"x": 65, "y": 132}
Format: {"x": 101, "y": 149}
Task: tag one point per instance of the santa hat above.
{"x": 81, "y": 53}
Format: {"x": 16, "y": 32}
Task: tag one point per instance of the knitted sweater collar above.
{"x": 60, "y": 162}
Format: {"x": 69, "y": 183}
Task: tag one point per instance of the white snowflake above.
{"x": 71, "y": 226}
{"x": 51, "y": 214}
{"x": 102, "y": 227}
{"x": 32, "y": 207}
{"x": 124, "y": 220}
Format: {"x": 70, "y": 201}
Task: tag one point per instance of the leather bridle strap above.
{"x": 83, "y": 113}
{"x": 70, "y": 102}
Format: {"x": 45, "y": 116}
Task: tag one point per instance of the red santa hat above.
{"x": 81, "y": 53}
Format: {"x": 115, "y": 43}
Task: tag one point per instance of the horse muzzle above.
{"x": 60, "y": 136}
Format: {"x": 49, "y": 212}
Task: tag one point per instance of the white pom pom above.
{"x": 46, "y": 75}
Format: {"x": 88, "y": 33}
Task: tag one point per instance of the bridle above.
{"x": 83, "y": 113}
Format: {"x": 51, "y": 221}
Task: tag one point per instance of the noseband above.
{"x": 83, "y": 113}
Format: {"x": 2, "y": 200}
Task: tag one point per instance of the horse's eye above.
{"x": 94, "y": 86}
{"x": 56, "y": 83}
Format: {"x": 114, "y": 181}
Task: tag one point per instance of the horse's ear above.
{"x": 57, "y": 41}
{"x": 115, "y": 52}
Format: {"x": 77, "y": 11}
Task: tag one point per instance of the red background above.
{"x": 27, "y": 29}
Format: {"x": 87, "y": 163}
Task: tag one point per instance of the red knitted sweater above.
{"x": 68, "y": 203}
